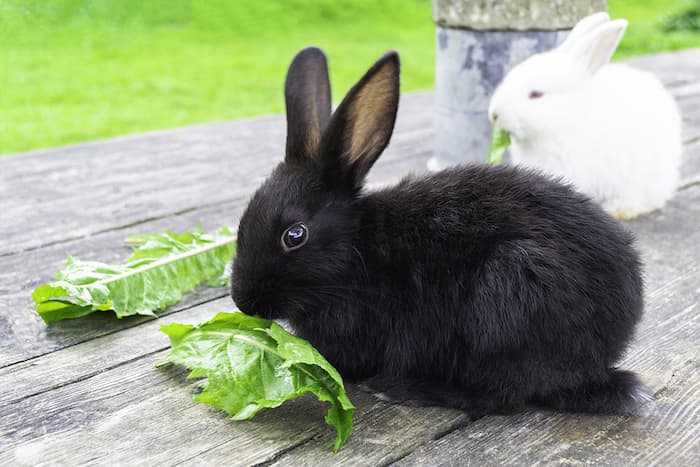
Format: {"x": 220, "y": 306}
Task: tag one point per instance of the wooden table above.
{"x": 86, "y": 390}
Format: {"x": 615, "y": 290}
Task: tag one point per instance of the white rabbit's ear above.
{"x": 582, "y": 28}
{"x": 598, "y": 46}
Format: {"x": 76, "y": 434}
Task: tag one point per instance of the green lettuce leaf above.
{"x": 162, "y": 268}
{"x": 251, "y": 363}
{"x": 500, "y": 140}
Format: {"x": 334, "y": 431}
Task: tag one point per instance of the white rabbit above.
{"x": 611, "y": 130}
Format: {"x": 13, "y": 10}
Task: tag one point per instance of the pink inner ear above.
{"x": 536, "y": 94}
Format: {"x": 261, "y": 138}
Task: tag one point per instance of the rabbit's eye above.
{"x": 536, "y": 94}
{"x": 295, "y": 236}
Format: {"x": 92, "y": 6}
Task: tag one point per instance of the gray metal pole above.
{"x": 478, "y": 41}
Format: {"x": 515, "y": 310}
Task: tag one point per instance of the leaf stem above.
{"x": 166, "y": 260}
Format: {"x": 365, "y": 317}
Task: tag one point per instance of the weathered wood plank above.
{"x": 674, "y": 68}
{"x": 137, "y": 414}
{"x": 380, "y": 436}
{"x": 51, "y": 196}
{"x": 62, "y": 400}
{"x": 667, "y": 345}
{"x": 539, "y": 438}
{"x": 22, "y": 271}
{"x": 690, "y": 169}
{"x": 43, "y": 189}
{"x": 372, "y": 440}
{"x": 23, "y": 333}
{"x": 119, "y": 159}
{"x": 112, "y": 357}
{"x": 666, "y": 353}
{"x": 31, "y": 267}
{"x": 690, "y": 109}
{"x": 134, "y": 402}
{"x": 407, "y": 154}
{"x": 25, "y": 336}
{"x": 668, "y": 437}
{"x": 88, "y": 358}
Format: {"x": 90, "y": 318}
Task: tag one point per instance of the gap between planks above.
{"x": 667, "y": 321}
{"x": 421, "y": 154}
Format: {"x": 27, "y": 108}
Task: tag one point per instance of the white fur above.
{"x": 612, "y": 131}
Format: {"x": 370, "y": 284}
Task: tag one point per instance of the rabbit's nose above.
{"x": 494, "y": 116}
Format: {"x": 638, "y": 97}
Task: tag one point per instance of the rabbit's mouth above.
{"x": 248, "y": 303}
{"x": 261, "y": 310}
{"x": 516, "y": 132}
{"x": 268, "y": 308}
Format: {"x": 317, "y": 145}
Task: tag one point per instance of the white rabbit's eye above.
{"x": 536, "y": 94}
{"x": 295, "y": 236}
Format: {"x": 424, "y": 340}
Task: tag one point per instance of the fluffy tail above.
{"x": 621, "y": 393}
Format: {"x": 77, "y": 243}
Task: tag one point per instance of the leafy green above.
{"x": 500, "y": 140}
{"x": 251, "y": 363}
{"x": 162, "y": 268}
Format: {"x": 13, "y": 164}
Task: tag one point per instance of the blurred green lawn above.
{"x": 76, "y": 70}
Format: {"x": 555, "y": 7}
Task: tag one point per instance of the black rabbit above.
{"x": 481, "y": 288}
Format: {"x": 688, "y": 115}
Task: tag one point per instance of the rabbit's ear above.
{"x": 582, "y": 28}
{"x": 307, "y": 94}
{"x": 361, "y": 126}
{"x": 597, "y": 47}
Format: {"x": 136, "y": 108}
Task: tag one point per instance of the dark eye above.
{"x": 536, "y": 94}
{"x": 295, "y": 236}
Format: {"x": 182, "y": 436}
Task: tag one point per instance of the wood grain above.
{"x": 86, "y": 359}
{"x": 56, "y": 195}
{"x": 669, "y": 436}
{"x": 132, "y": 400}
{"x": 23, "y": 335}
{"x": 85, "y": 391}
{"x": 666, "y": 354}
{"x": 674, "y": 68}
{"x": 137, "y": 414}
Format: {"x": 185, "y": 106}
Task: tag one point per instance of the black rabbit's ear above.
{"x": 307, "y": 93}
{"x": 361, "y": 126}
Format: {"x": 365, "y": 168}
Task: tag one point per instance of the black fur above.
{"x": 482, "y": 288}
{"x": 308, "y": 101}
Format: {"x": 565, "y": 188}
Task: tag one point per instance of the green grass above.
{"x": 645, "y": 34}
{"x": 76, "y": 70}
{"x": 76, "y": 73}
